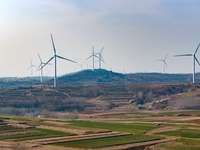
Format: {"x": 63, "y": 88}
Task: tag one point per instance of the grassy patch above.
{"x": 189, "y": 141}
{"x": 52, "y": 132}
{"x": 42, "y": 133}
{"x": 130, "y": 128}
{"x": 177, "y": 146}
{"x": 187, "y": 133}
{"x": 174, "y": 113}
{"x": 101, "y": 142}
{"x": 21, "y": 136}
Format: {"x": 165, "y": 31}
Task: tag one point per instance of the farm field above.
{"x": 112, "y": 130}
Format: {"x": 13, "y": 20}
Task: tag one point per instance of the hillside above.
{"x": 90, "y": 77}
{"x": 47, "y": 101}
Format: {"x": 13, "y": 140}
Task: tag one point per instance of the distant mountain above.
{"x": 160, "y": 78}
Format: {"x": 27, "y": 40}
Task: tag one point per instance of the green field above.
{"x": 186, "y": 133}
{"x": 135, "y": 128}
{"x": 177, "y": 146}
{"x": 101, "y": 142}
{"x": 40, "y": 133}
{"x": 139, "y": 124}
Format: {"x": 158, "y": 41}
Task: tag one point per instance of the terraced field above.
{"x": 151, "y": 130}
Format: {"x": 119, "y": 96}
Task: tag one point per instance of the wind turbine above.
{"x": 164, "y": 63}
{"x": 81, "y": 65}
{"x": 31, "y": 66}
{"x": 54, "y": 57}
{"x": 194, "y": 59}
{"x": 40, "y": 67}
{"x": 93, "y": 55}
{"x": 100, "y": 58}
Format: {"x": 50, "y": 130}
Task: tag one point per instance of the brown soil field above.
{"x": 19, "y": 132}
{"x": 69, "y": 130}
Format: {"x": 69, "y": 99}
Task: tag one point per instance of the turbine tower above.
{"x": 31, "y": 66}
{"x": 194, "y": 59}
{"x": 164, "y": 63}
{"x": 54, "y": 57}
{"x": 93, "y": 55}
{"x": 100, "y": 58}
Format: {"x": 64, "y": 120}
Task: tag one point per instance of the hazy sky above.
{"x": 135, "y": 34}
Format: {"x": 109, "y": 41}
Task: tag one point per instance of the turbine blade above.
{"x": 31, "y": 62}
{"x": 165, "y": 57}
{"x": 39, "y": 67}
{"x": 165, "y": 63}
{"x": 83, "y": 63}
{"x": 159, "y": 60}
{"x": 93, "y": 48}
{"x": 47, "y": 62}
{"x": 53, "y": 44}
{"x": 102, "y": 61}
{"x": 96, "y": 56}
{"x": 183, "y": 55}
{"x": 101, "y": 56}
{"x": 197, "y": 49}
{"x": 65, "y": 58}
{"x": 196, "y": 60}
{"x": 101, "y": 50}
{"x": 89, "y": 57}
{"x": 39, "y": 57}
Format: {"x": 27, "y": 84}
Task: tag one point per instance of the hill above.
{"x": 101, "y": 76}
{"x": 46, "y": 101}
{"x": 90, "y": 77}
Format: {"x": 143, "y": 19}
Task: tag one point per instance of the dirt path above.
{"x": 49, "y": 147}
{"x": 8, "y": 145}
{"x": 56, "y": 122}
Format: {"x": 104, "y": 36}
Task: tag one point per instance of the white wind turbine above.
{"x": 194, "y": 59}
{"x": 100, "y": 58}
{"x": 164, "y": 63}
{"x": 54, "y": 57}
{"x": 93, "y": 55}
{"x": 81, "y": 65}
{"x": 31, "y": 67}
{"x": 40, "y": 67}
